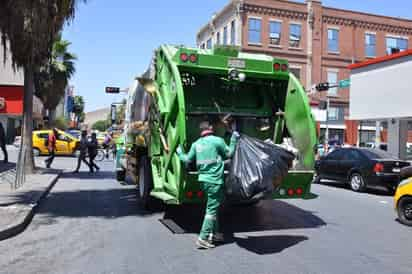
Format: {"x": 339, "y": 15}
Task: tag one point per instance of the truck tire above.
{"x": 120, "y": 175}
{"x": 145, "y": 183}
{"x": 405, "y": 210}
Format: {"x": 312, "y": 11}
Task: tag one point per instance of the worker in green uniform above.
{"x": 210, "y": 152}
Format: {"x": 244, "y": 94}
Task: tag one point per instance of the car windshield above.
{"x": 377, "y": 154}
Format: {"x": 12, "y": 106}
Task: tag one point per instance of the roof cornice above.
{"x": 336, "y": 20}
{"x": 274, "y": 11}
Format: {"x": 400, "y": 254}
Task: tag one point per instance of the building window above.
{"x": 394, "y": 45}
{"x": 333, "y": 79}
{"x": 275, "y": 31}
{"x": 218, "y": 38}
{"x": 370, "y": 45}
{"x": 255, "y": 28}
{"x": 295, "y": 34}
{"x": 209, "y": 43}
{"x": 333, "y": 114}
{"x": 225, "y": 36}
{"x": 296, "y": 72}
{"x": 233, "y": 33}
{"x": 202, "y": 46}
{"x": 333, "y": 40}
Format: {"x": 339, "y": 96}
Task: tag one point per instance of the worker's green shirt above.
{"x": 210, "y": 152}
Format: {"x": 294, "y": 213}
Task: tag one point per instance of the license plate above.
{"x": 396, "y": 170}
{"x": 236, "y": 63}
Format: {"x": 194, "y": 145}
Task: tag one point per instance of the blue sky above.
{"x": 114, "y": 40}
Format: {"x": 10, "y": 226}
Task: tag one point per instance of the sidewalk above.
{"x": 17, "y": 207}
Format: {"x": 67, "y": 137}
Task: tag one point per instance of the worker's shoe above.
{"x": 203, "y": 244}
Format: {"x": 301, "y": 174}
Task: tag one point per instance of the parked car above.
{"x": 361, "y": 168}
{"x": 66, "y": 144}
{"x": 403, "y": 198}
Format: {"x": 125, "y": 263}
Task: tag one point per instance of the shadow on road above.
{"x": 268, "y": 215}
{"x": 85, "y": 175}
{"x": 263, "y": 245}
{"x": 6, "y": 166}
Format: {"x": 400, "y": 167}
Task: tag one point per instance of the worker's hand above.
{"x": 179, "y": 150}
{"x": 236, "y": 134}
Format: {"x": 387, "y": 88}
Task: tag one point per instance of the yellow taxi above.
{"x": 66, "y": 144}
{"x": 403, "y": 201}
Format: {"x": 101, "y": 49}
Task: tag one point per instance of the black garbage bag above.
{"x": 257, "y": 168}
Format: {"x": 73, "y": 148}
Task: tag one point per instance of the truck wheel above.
{"x": 405, "y": 210}
{"x": 145, "y": 182}
{"x": 120, "y": 175}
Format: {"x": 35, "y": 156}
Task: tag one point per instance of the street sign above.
{"x": 344, "y": 83}
{"x": 112, "y": 90}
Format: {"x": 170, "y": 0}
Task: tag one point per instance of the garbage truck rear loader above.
{"x": 184, "y": 86}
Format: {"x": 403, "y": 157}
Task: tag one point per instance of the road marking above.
{"x": 383, "y": 202}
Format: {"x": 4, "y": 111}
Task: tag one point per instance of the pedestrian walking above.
{"x": 92, "y": 147}
{"x": 83, "y": 153}
{"x": 3, "y": 144}
{"x": 210, "y": 152}
{"x": 51, "y": 146}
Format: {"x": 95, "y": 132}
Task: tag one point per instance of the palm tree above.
{"x": 28, "y": 30}
{"x": 53, "y": 78}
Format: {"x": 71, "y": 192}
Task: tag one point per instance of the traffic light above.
{"x": 112, "y": 90}
{"x": 322, "y": 86}
{"x": 323, "y": 105}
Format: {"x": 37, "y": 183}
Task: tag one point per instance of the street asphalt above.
{"x": 92, "y": 224}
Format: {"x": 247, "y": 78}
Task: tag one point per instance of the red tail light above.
{"x": 193, "y": 58}
{"x": 291, "y": 192}
{"x": 184, "y": 57}
{"x": 378, "y": 168}
{"x": 276, "y": 66}
{"x": 189, "y": 194}
{"x": 200, "y": 194}
{"x": 284, "y": 67}
{"x": 299, "y": 191}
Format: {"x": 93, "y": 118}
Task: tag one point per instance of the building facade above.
{"x": 11, "y": 99}
{"x": 319, "y": 42}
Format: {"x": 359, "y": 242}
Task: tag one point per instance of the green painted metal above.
{"x": 186, "y": 92}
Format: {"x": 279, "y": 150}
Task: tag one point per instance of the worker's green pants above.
{"x": 215, "y": 195}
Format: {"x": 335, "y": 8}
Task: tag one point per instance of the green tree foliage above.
{"x": 101, "y": 125}
{"x": 61, "y": 123}
{"x": 78, "y": 108}
{"x": 28, "y": 30}
{"x": 52, "y": 79}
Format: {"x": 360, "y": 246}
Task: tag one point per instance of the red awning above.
{"x": 381, "y": 59}
{"x": 11, "y": 100}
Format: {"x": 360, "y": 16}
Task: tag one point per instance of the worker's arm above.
{"x": 186, "y": 158}
{"x": 230, "y": 150}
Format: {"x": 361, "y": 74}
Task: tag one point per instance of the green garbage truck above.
{"x": 184, "y": 86}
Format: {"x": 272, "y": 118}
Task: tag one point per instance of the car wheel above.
{"x": 36, "y": 152}
{"x": 405, "y": 210}
{"x": 145, "y": 182}
{"x": 357, "y": 183}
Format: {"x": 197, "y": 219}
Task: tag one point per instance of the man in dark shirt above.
{"x": 84, "y": 144}
{"x": 93, "y": 145}
{"x": 3, "y": 143}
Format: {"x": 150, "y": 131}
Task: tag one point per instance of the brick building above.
{"x": 319, "y": 42}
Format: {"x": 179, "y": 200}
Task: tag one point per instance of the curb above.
{"x": 20, "y": 225}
